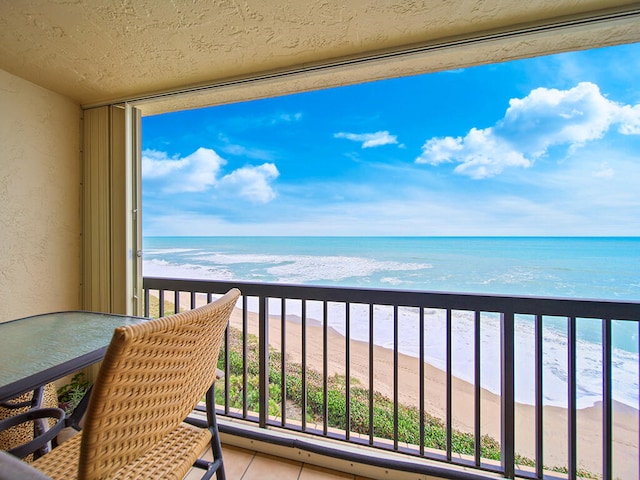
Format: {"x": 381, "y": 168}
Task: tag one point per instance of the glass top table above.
{"x": 40, "y": 349}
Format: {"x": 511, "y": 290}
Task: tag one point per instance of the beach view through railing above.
{"x": 480, "y": 381}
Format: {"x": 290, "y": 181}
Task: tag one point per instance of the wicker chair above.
{"x": 152, "y": 376}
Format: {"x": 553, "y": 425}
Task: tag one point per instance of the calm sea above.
{"x": 595, "y": 268}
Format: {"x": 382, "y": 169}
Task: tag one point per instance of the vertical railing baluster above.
{"x": 263, "y": 362}
{"x": 347, "y": 372}
{"x": 571, "y": 352}
{"x": 245, "y": 357}
{"x": 303, "y": 339}
{"x": 395, "y": 377}
{"x": 421, "y": 382}
{"x": 226, "y": 346}
{"x": 193, "y": 300}
{"x": 607, "y": 405}
{"x": 176, "y": 301}
{"x": 477, "y": 390}
{"x": 371, "y": 367}
{"x": 539, "y": 406}
{"x": 507, "y": 396}
{"x": 227, "y": 356}
{"x": 146, "y": 302}
{"x": 161, "y": 306}
{"x": 449, "y": 413}
{"x": 325, "y": 369}
{"x": 283, "y": 361}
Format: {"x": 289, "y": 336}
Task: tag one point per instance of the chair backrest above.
{"x": 152, "y": 376}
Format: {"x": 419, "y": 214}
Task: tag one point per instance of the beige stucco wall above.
{"x": 40, "y": 209}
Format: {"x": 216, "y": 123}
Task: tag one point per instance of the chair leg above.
{"x": 216, "y": 466}
{"x": 39, "y": 425}
{"x": 216, "y": 448}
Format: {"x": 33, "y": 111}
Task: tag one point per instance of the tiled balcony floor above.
{"x": 242, "y": 464}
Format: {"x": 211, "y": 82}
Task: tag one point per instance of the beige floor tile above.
{"x": 266, "y": 467}
{"x": 242, "y": 464}
{"x": 312, "y": 472}
{"x": 236, "y": 462}
{"x": 193, "y": 474}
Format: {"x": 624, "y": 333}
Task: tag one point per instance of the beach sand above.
{"x": 589, "y": 431}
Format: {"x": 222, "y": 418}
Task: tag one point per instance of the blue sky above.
{"x": 543, "y": 146}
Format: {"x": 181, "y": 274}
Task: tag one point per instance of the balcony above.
{"x": 305, "y": 378}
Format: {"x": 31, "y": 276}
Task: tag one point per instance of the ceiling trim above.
{"x": 623, "y": 16}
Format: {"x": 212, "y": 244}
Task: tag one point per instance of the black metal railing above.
{"x": 269, "y": 304}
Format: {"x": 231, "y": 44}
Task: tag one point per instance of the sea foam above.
{"x": 555, "y": 353}
{"x": 557, "y": 267}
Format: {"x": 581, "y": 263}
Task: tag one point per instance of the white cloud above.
{"x": 479, "y": 147}
{"x": 252, "y": 182}
{"x": 370, "y": 139}
{"x": 548, "y": 117}
{"x": 531, "y": 125}
{"x": 194, "y": 173}
{"x": 156, "y": 164}
{"x": 440, "y": 150}
{"x": 630, "y": 116}
{"x": 200, "y": 172}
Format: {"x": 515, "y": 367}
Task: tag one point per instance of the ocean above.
{"x": 574, "y": 267}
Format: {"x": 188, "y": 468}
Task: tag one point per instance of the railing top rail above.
{"x": 564, "y": 307}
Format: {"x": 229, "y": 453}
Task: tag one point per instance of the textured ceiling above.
{"x": 96, "y": 51}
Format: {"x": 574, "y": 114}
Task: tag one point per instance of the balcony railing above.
{"x": 498, "y": 326}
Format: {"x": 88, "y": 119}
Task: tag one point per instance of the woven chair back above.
{"x": 152, "y": 376}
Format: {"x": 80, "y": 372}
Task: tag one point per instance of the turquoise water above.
{"x": 599, "y": 268}
{"x": 594, "y": 268}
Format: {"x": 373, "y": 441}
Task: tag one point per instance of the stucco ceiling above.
{"x": 95, "y": 51}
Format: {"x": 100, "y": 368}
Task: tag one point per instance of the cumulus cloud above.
{"x": 252, "y": 183}
{"x": 368, "y": 140}
{"x": 202, "y": 171}
{"x": 530, "y": 127}
{"x": 194, "y": 173}
{"x": 630, "y": 123}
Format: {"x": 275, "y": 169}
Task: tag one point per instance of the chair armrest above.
{"x": 15, "y": 405}
{"x": 39, "y": 441}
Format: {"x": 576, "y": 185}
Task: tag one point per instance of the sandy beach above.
{"x": 625, "y": 449}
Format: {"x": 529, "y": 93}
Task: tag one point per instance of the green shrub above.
{"x": 70, "y": 395}
{"x": 435, "y": 432}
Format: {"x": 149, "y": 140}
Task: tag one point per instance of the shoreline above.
{"x": 625, "y": 419}
{"x": 618, "y": 406}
